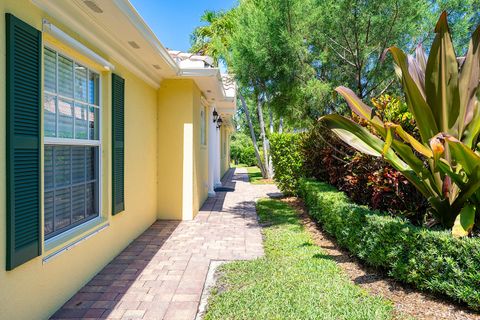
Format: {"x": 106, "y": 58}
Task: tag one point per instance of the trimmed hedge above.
{"x": 287, "y": 161}
{"x": 428, "y": 259}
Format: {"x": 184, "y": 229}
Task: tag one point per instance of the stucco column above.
{"x": 217, "y": 181}
{"x": 211, "y": 152}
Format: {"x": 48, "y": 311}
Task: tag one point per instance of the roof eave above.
{"x": 129, "y": 10}
{"x": 206, "y": 72}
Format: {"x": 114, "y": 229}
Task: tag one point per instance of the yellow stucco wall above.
{"x": 200, "y": 160}
{"x": 182, "y": 161}
{"x": 35, "y": 290}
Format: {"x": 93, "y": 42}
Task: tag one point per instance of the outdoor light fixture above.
{"x": 219, "y": 122}
{"x": 215, "y": 116}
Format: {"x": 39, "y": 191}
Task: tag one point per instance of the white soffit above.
{"x": 213, "y": 86}
{"x": 56, "y": 32}
{"x": 114, "y": 27}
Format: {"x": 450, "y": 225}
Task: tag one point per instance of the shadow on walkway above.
{"x": 161, "y": 274}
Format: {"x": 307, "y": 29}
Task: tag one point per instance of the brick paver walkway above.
{"x": 161, "y": 274}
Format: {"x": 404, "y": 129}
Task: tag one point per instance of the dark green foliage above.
{"x": 365, "y": 179}
{"x": 287, "y": 161}
{"x": 430, "y": 260}
{"x": 241, "y": 150}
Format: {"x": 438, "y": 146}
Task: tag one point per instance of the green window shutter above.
{"x": 23, "y": 84}
{"x": 118, "y": 145}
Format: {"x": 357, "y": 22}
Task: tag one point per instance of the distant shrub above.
{"x": 242, "y": 151}
{"x": 430, "y": 260}
{"x": 287, "y": 161}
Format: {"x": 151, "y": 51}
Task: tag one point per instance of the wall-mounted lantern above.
{"x": 219, "y": 122}
{"x": 215, "y": 116}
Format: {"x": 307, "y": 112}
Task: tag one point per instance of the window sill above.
{"x": 71, "y": 238}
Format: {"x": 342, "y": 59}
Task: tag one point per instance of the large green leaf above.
{"x": 459, "y": 179}
{"x": 353, "y": 134}
{"x": 388, "y": 140}
{"x": 357, "y": 105}
{"x": 472, "y": 131}
{"x": 362, "y": 140}
{"x": 418, "y": 106}
{"x": 417, "y": 174}
{"x": 416, "y": 68}
{"x": 441, "y": 78}
{"x": 464, "y": 221}
{"x": 417, "y": 145}
{"x": 421, "y": 59}
{"x": 464, "y": 156}
{"x": 468, "y": 84}
{"x": 468, "y": 161}
{"x": 408, "y": 156}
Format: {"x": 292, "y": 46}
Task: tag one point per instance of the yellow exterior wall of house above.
{"x": 200, "y": 161}
{"x": 35, "y": 289}
{"x": 182, "y": 161}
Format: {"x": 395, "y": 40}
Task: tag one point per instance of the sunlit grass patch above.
{"x": 295, "y": 280}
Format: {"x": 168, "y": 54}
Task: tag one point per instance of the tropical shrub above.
{"x": 428, "y": 259}
{"x": 392, "y": 109}
{"x": 287, "y": 161}
{"x": 441, "y": 94}
{"x": 242, "y": 151}
{"x": 365, "y": 179}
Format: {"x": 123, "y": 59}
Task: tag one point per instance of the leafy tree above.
{"x": 463, "y": 17}
{"x": 270, "y": 54}
{"x": 349, "y": 38}
{"x": 288, "y": 54}
{"x": 214, "y": 39}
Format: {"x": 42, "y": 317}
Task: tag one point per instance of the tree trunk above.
{"x": 252, "y": 133}
{"x": 270, "y": 112}
{"x": 280, "y": 125}
{"x": 270, "y": 163}
{"x": 266, "y": 147}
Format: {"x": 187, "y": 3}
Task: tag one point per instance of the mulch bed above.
{"x": 407, "y": 300}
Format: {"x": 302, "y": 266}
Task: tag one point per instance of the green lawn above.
{"x": 295, "y": 280}
{"x": 255, "y": 176}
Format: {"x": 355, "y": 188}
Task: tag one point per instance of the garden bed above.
{"x": 406, "y": 299}
{"x": 426, "y": 259}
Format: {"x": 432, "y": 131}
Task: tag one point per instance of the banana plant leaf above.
{"x": 362, "y": 140}
{"x": 357, "y": 106}
{"x": 418, "y": 106}
{"x": 429, "y": 185}
{"x": 441, "y": 78}
{"x": 354, "y": 135}
{"x": 468, "y": 84}
{"x": 464, "y": 222}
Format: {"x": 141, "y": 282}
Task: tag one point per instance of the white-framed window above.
{"x": 72, "y": 144}
{"x": 203, "y": 125}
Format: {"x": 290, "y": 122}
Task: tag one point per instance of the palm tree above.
{"x": 214, "y": 39}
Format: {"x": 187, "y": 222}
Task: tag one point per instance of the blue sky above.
{"x": 174, "y": 20}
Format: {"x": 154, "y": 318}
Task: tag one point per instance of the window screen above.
{"x": 72, "y": 143}
{"x": 71, "y": 187}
